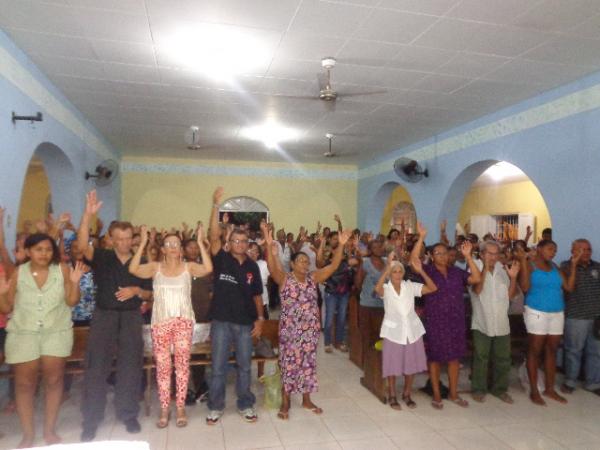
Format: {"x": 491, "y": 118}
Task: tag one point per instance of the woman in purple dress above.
{"x": 445, "y": 321}
{"x": 299, "y": 322}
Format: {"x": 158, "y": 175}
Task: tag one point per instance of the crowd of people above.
{"x": 417, "y": 298}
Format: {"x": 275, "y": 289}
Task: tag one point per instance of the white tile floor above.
{"x": 354, "y": 419}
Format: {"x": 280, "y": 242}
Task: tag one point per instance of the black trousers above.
{"x": 113, "y": 332}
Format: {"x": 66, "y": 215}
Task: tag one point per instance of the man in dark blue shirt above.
{"x": 237, "y": 316}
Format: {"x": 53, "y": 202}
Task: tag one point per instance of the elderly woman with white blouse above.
{"x": 402, "y": 330}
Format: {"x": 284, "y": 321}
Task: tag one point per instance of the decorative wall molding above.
{"x": 236, "y": 170}
{"x": 565, "y": 106}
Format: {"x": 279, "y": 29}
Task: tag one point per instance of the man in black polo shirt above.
{"x": 116, "y": 326}
{"x": 582, "y": 307}
{"x": 237, "y": 316}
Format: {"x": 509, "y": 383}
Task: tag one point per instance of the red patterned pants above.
{"x": 177, "y": 333}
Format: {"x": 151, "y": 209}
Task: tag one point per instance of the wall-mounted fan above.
{"x": 104, "y": 173}
{"x": 410, "y": 170}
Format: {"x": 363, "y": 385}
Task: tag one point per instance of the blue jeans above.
{"x": 579, "y": 339}
{"x": 333, "y": 303}
{"x": 223, "y": 335}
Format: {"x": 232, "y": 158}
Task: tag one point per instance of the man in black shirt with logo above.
{"x": 116, "y": 326}
{"x": 237, "y": 316}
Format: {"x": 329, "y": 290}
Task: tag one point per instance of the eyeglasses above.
{"x": 172, "y": 245}
{"x": 239, "y": 241}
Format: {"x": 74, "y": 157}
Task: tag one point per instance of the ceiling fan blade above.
{"x": 297, "y": 97}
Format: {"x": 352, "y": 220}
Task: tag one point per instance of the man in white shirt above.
{"x": 490, "y": 300}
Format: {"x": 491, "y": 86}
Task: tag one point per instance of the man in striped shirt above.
{"x": 582, "y": 307}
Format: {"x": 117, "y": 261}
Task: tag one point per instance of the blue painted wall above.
{"x": 562, "y": 157}
{"x": 65, "y": 155}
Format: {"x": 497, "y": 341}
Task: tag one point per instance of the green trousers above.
{"x": 488, "y": 349}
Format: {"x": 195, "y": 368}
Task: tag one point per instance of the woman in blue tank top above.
{"x": 543, "y": 284}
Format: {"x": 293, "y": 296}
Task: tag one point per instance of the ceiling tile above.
{"x": 124, "y": 52}
{"x": 450, "y": 34}
{"x": 399, "y": 79}
{"x": 268, "y": 14}
{"x": 294, "y": 69}
{"x": 558, "y": 15}
{"x": 394, "y": 26}
{"x": 52, "y": 44}
{"x": 369, "y": 53}
{"x": 567, "y": 50}
{"x": 502, "y": 93}
{"x": 590, "y": 28}
{"x": 434, "y": 7}
{"x": 69, "y": 66}
{"x": 332, "y": 19}
{"x": 128, "y": 6}
{"x": 441, "y": 83}
{"x": 40, "y": 17}
{"x": 131, "y": 73}
{"x": 492, "y": 11}
{"x": 472, "y": 65}
{"x": 88, "y": 84}
{"x": 412, "y": 57}
{"x": 353, "y": 74}
{"x": 312, "y": 47}
{"x": 538, "y": 72}
{"x": 505, "y": 41}
{"x": 279, "y": 86}
{"x": 114, "y": 25}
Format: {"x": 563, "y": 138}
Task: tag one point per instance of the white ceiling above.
{"x": 440, "y": 62}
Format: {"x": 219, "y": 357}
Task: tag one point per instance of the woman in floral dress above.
{"x": 299, "y": 323}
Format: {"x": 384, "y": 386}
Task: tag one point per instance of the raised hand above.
{"x": 143, "y": 235}
{"x": 576, "y": 257}
{"x": 274, "y": 248}
{"x": 417, "y": 265}
{"x": 513, "y": 271}
{"x": 336, "y": 217}
{"x": 200, "y": 235}
{"x": 75, "y": 273}
{"x": 92, "y": 205}
{"x": 391, "y": 257}
{"x": 466, "y": 249}
{"x": 345, "y": 236}
{"x": 218, "y": 195}
{"x": 421, "y": 230}
{"x": 443, "y": 225}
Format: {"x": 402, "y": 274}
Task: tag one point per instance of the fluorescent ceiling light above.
{"x": 217, "y": 51}
{"x": 503, "y": 170}
{"x": 270, "y": 133}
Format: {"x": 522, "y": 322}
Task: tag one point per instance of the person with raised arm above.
{"x": 39, "y": 297}
{"x": 237, "y": 316}
{"x": 445, "y": 319}
{"x": 299, "y": 324}
{"x": 402, "y": 330}
{"x": 172, "y": 315}
{"x": 543, "y": 284}
{"x": 116, "y": 325}
{"x": 490, "y": 300}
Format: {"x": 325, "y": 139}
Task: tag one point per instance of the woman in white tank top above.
{"x": 172, "y": 316}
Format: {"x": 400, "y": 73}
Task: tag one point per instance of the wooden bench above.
{"x": 200, "y": 356}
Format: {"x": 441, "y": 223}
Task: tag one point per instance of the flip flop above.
{"x": 394, "y": 404}
{"x": 283, "y": 415}
{"x": 437, "y": 404}
{"x": 409, "y": 402}
{"x": 314, "y": 409}
{"x": 459, "y": 401}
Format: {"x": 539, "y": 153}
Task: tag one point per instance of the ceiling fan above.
{"x": 327, "y": 94}
{"x": 329, "y": 153}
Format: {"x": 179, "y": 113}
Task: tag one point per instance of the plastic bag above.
{"x": 524, "y": 378}
{"x": 272, "y": 389}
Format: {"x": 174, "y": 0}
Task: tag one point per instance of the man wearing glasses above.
{"x": 237, "y": 316}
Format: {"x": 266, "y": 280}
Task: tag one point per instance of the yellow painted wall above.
{"x": 36, "y": 190}
{"x": 167, "y": 199}
{"x": 398, "y": 195}
{"x": 519, "y": 197}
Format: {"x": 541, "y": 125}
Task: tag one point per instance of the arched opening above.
{"x": 499, "y": 199}
{"x": 399, "y": 210}
{"x": 47, "y": 187}
{"x": 244, "y": 210}
{"x": 389, "y": 205}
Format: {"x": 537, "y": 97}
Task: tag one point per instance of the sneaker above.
{"x": 213, "y": 417}
{"x": 132, "y": 426}
{"x": 328, "y": 349}
{"x": 248, "y": 414}
{"x": 343, "y": 348}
